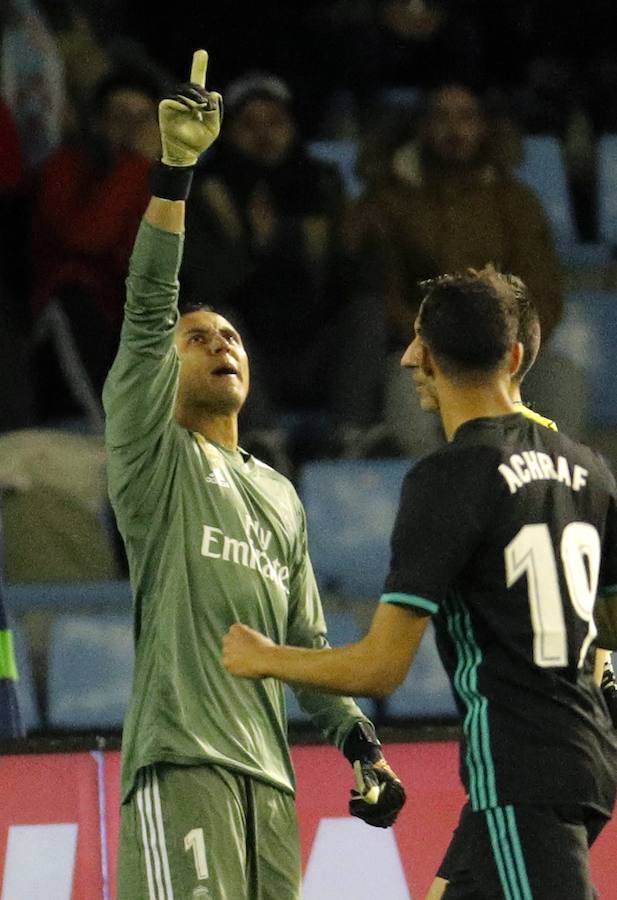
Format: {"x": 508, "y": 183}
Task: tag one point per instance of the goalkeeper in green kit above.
{"x": 213, "y": 536}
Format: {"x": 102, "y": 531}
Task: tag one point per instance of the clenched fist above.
{"x": 243, "y": 652}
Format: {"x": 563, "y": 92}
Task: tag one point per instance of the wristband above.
{"x": 171, "y": 182}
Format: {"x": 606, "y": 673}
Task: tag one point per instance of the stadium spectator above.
{"x": 448, "y": 201}
{"x": 88, "y": 202}
{"x": 372, "y": 53}
{"x": 262, "y": 244}
{"x": 32, "y": 79}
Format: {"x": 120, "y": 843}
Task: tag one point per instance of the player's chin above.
{"x": 226, "y": 401}
{"x": 427, "y": 400}
{"x": 428, "y": 403}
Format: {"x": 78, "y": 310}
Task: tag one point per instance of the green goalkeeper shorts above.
{"x": 207, "y": 833}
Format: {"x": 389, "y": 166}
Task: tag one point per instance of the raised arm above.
{"x": 140, "y": 390}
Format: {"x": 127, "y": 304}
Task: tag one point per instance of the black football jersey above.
{"x": 506, "y": 536}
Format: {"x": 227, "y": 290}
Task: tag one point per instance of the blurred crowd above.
{"x": 319, "y": 272}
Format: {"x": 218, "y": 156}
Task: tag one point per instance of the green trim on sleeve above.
{"x": 609, "y": 589}
{"x": 410, "y": 600}
{"x": 8, "y": 669}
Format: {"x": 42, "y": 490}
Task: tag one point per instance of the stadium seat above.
{"x": 54, "y": 498}
{"x": 544, "y": 170}
{"x": 350, "y": 507}
{"x": 25, "y": 687}
{"x": 342, "y": 629}
{"x": 90, "y": 670}
{"x": 65, "y": 597}
{"x": 587, "y": 335}
{"x": 344, "y": 155}
{"x": 607, "y": 188}
{"x": 426, "y": 692}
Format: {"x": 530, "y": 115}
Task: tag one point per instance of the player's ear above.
{"x": 516, "y": 358}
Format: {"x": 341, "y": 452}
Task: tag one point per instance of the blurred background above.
{"x": 367, "y": 144}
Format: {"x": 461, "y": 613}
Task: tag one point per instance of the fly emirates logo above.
{"x": 251, "y": 553}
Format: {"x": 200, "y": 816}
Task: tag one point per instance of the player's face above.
{"x": 214, "y": 371}
{"x": 414, "y": 358}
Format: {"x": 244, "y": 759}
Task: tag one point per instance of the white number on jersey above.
{"x": 531, "y": 553}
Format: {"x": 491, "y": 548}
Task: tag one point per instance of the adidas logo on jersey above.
{"x": 216, "y": 476}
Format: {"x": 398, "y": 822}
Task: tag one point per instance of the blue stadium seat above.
{"x": 26, "y": 690}
{"x": 426, "y": 692}
{"x": 587, "y": 334}
{"x": 607, "y": 188}
{"x": 544, "y": 170}
{"x": 342, "y": 629}
{"x": 344, "y": 155}
{"x": 350, "y": 507}
{"x": 90, "y": 670}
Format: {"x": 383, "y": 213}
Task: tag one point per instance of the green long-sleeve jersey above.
{"x": 213, "y": 537}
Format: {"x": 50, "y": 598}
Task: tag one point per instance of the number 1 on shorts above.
{"x": 194, "y": 841}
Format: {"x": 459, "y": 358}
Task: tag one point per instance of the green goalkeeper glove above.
{"x": 379, "y": 795}
{"x": 190, "y": 121}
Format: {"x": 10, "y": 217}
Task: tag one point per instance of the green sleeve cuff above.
{"x": 410, "y": 600}
{"x": 609, "y": 589}
{"x": 8, "y": 669}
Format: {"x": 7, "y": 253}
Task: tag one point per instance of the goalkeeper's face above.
{"x": 214, "y": 369}
{"x": 414, "y": 358}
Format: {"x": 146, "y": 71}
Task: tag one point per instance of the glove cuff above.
{"x": 362, "y": 743}
{"x": 171, "y": 182}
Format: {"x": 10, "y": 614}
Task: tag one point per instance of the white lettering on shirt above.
{"x": 533, "y": 465}
{"x": 215, "y": 544}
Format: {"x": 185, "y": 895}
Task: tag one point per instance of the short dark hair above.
{"x": 469, "y": 321}
{"x": 191, "y": 305}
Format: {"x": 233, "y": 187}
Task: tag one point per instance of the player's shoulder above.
{"x": 271, "y": 477}
{"x": 459, "y": 461}
{"x": 581, "y": 453}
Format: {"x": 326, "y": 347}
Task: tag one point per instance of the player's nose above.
{"x": 218, "y": 343}
{"x": 411, "y": 357}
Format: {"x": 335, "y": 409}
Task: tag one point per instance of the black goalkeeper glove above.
{"x": 379, "y": 795}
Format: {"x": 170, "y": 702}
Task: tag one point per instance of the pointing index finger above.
{"x": 199, "y": 67}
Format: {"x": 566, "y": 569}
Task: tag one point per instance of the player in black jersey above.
{"x": 529, "y": 335}
{"x": 505, "y": 537}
